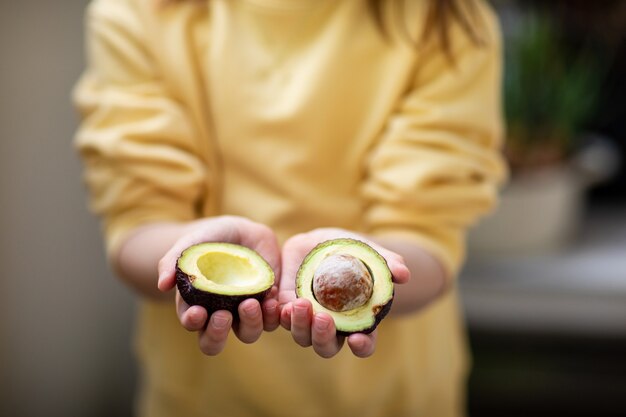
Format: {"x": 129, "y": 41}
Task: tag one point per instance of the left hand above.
{"x": 254, "y": 317}
{"x": 318, "y": 330}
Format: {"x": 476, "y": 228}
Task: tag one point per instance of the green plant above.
{"x": 550, "y": 93}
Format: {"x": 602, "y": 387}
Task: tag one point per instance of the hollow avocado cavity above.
{"x": 227, "y": 269}
{"x": 223, "y": 268}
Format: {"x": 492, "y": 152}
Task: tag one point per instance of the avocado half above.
{"x": 362, "y": 319}
{"x": 219, "y": 276}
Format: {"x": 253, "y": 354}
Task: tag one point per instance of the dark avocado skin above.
{"x": 379, "y": 317}
{"x": 210, "y": 301}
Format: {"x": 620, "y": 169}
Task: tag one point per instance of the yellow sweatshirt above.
{"x": 297, "y": 114}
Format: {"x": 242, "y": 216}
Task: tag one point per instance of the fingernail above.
{"x": 358, "y": 345}
{"x": 270, "y": 307}
{"x": 285, "y": 310}
{"x": 300, "y": 310}
{"x": 194, "y": 318}
{"x": 220, "y": 322}
{"x": 321, "y": 324}
{"x": 251, "y": 311}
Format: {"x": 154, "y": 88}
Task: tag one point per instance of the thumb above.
{"x": 167, "y": 272}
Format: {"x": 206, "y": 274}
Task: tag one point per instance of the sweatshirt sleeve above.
{"x": 136, "y": 141}
{"x": 438, "y": 164}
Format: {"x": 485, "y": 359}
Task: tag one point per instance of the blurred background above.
{"x": 66, "y": 322}
{"x": 544, "y": 289}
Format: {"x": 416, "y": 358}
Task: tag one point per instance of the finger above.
{"x": 167, "y": 264}
{"x": 362, "y": 345}
{"x": 213, "y": 339}
{"x": 294, "y": 251}
{"x": 400, "y": 273}
{"x": 250, "y": 325}
{"x": 285, "y": 315}
{"x": 167, "y": 272}
{"x": 301, "y": 317}
{"x": 271, "y": 310}
{"x": 324, "y": 336}
{"x": 271, "y": 314}
{"x": 192, "y": 318}
{"x": 272, "y": 294}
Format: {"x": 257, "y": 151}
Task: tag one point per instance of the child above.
{"x": 279, "y": 124}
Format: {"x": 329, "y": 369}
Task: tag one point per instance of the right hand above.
{"x": 318, "y": 330}
{"x": 254, "y": 317}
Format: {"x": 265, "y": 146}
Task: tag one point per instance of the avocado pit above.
{"x": 342, "y": 282}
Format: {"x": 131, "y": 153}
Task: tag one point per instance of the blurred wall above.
{"x": 66, "y": 322}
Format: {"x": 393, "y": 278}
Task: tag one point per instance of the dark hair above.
{"x": 441, "y": 15}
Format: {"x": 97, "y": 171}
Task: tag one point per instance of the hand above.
{"x": 254, "y": 317}
{"x": 318, "y": 330}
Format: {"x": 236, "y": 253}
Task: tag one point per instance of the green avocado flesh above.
{"x": 220, "y": 275}
{"x": 365, "y": 318}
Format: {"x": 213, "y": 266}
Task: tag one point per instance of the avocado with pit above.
{"x": 348, "y": 280}
{"x": 219, "y": 276}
